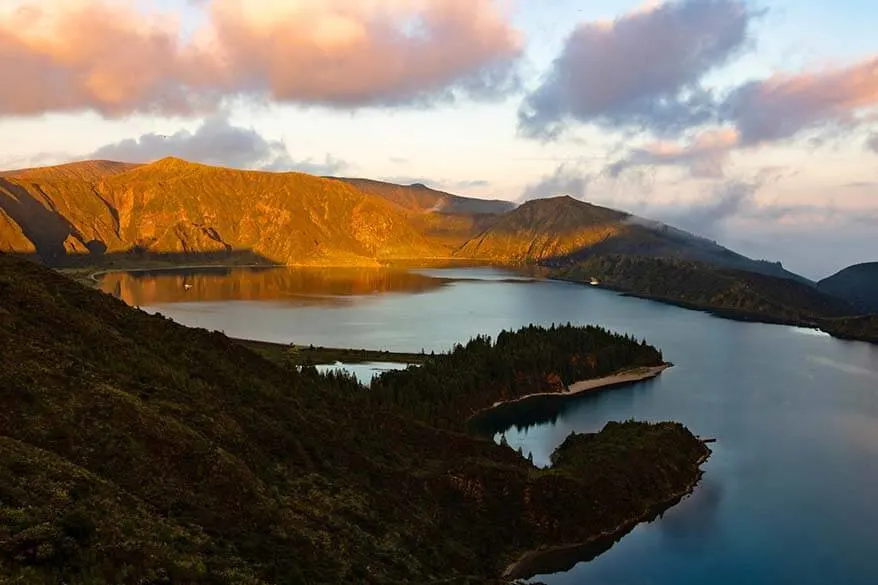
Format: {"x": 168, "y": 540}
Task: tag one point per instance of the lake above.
{"x": 790, "y": 494}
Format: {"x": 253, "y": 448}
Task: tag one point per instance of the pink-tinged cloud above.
{"x": 705, "y": 155}
{"x": 643, "y": 70}
{"x": 107, "y": 56}
{"x": 346, "y": 53}
{"x": 784, "y": 105}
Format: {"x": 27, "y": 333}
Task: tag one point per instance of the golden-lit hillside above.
{"x": 172, "y": 206}
{"x": 183, "y": 211}
{"x": 546, "y": 228}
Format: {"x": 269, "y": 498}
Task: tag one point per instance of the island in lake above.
{"x": 137, "y": 450}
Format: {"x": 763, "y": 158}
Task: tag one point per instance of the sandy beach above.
{"x": 617, "y": 379}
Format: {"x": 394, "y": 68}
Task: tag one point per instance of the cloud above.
{"x": 568, "y": 179}
{"x": 643, "y": 70}
{"x": 784, "y": 105}
{"x": 216, "y": 142}
{"x": 446, "y": 185}
{"x": 330, "y": 166}
{"x": 705, "y": 156}
{"x": 726, "y": 201}
{"x": 111, "y": 57}
{"x": 872, "y": 142}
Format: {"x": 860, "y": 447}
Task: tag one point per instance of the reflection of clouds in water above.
{"x": 843, "y": 367}
{"x": 363, "y": 371}
{"x": 858, "y": 429}
{"x": 807, "y": 331}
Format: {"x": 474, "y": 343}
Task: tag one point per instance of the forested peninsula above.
{"x": 135, "y": 450}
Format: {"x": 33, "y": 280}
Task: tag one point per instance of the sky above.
{"x": 754, "y": 123}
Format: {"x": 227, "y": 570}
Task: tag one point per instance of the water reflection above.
{"x": 364, "y": 371}
{"x": 294, "y": 286}
{"x": 537, "y": 411}
{"x": 787, "y": 497}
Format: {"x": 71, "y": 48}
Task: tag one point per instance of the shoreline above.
{"x": 94, "y": 273}
{"x": 526, "y": 565}
{"x": 621, "y": 378}
{"x": 299, "y": 355}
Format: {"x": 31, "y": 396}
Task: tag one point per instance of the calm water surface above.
{"x": 791, "y": 492}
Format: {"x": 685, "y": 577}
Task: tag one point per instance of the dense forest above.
{"x": 449, "y": 388}
{"x": 137, "y": 451}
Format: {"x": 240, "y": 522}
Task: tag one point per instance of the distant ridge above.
{"x": 419, "y": 198}
{"x": 560, "y": 231}
{"x": 172, "y": 206}
{"x": 856, "y": 284}
{"x": 91, "y": 170}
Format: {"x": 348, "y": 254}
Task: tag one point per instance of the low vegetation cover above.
{"x": 449, "y": 388}
{"x": 732, "y": 293}
{"x": 137, "y": 451}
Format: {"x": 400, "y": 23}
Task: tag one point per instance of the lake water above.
{"x": 790, "y": 494}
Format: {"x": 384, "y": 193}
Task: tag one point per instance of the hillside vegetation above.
{"x": 136, "y": 451}
{"x": 697, "y": 285}
{"x": 858, "y": 285}
{"x": 171, "y": 212}
{"x": 451, "y": 388}
{"x": 173, "y": 206}
{"x": 561, "y": 231}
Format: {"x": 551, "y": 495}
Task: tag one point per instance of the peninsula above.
{"x": 131, "y": 445}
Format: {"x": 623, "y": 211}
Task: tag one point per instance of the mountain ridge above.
{"x": 857, "y": 284}
{"x": 562, "y": 230}
{"x": 172, "y": 206}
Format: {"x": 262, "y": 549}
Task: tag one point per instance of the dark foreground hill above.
{"x": 136, "y": 451}
{"x": 858, "y": 285}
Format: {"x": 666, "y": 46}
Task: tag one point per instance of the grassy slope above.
{"x": 450, "y": 220}
{"x": 134, "y": 450}
{"x": 179, "y": 207}
{"x": 544, "y": 229}
{"x": 562, "y": 230}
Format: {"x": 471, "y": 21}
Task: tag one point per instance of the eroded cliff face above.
{"x": 12, "y": 239}
{"x": 176, "y": 207}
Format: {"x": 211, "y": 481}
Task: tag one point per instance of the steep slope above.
{"x": 134, "y": 450}
{"x": 562, "y": 230}
{"x": 173, "y": 206}
{"x": 449, "y": 219}
{"x": 12, "y": 239}
{"x": 419, "y": 198}
{"x": 858, "y": 285}
{"x": 544, "y": 229}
